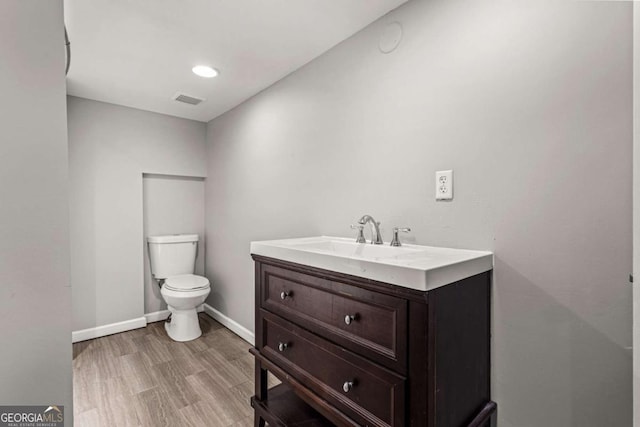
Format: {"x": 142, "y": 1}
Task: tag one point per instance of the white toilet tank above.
{"x": 172, "y": 255}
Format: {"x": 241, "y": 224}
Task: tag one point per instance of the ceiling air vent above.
{"x": 187, "y": 99}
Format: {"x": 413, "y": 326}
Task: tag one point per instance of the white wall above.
{"x": 35, "y": 336}
{"x": 172, "y": 205}
{"x": 531, "y": 104}
{"x": 110, "y": 147}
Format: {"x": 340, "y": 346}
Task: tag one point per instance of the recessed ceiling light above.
{"x": 204, "y": 71}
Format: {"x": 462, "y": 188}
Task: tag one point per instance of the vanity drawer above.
{"x": 366, "y": 392}
{"x": 366, "y": 322}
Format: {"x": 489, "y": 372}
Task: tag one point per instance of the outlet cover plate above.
{"x": 444, "y": 185}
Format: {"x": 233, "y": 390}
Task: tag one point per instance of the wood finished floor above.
{"x": 143, "y": 378}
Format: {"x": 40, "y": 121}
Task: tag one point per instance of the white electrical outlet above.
{"x": 444, "y": 185}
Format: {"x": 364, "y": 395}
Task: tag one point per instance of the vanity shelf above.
{"x": 284, "y": 408}
{"x": 352, "y": 351}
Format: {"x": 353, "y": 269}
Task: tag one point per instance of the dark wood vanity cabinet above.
{"x": 355, "y": 352}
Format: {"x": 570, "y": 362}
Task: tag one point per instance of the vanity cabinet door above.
{"x": 369, "y": 323}
{"x": 369, "y": 394}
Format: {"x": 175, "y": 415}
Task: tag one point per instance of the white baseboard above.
{"x": 158, "y": 316}
{"x": 230, "y": 324}
{"x": 113, "y": 328}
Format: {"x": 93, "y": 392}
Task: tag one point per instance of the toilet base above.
{"x": 184, "y": 325}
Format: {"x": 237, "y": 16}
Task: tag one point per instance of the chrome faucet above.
{"x": 376, "y": 237}
{"x": 360, "y": 238}
{"x": 396, "y": 239}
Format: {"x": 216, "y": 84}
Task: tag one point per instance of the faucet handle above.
{"x": 360, "y": 238}
{"x": 396, "y": 240}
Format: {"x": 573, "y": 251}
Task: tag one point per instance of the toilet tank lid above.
{"x": 173, "y": 238}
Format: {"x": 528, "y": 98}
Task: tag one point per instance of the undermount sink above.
{"x": 411, "y": 266}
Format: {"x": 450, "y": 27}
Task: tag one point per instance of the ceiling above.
{"x": 139, "y": 53}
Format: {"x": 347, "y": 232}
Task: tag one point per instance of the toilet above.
{"x": 172, "y": 260}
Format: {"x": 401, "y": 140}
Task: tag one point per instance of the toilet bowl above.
{"x": 172, "y": 260}
{"x": 184, "y": 294}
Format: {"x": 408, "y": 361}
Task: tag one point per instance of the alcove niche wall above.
{"x": 171, "y": 205}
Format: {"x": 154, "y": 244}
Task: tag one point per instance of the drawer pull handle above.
{"x": 347, "y": 386}
{"x": 283, "y": 346}
{"x": 284, "y": 295}
{"x": 350, "y": 318}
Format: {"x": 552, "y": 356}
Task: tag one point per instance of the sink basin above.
{"x": 411, "y": 266}
{"x": 339, "y": 247}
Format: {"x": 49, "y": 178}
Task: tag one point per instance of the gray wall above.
{"x": 35, "y": 360}
{"x": 172, "y": 205}
{"x": 110, "y": 147}
{"x": 530, "y": 103}
{"x": 636, "y": 213}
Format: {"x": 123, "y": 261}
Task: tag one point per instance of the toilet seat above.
{"x": 186, "y": 283}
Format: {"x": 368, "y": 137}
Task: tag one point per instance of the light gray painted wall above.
{"x": 172, "y": 205}
{"x": 530, "y": 103}
{"x": 110, "y": 147}
{"x": 35, "y": 297}
{"x": 636, "y": 214}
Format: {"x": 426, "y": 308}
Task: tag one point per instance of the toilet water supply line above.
{"x": 67, "y": 44}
